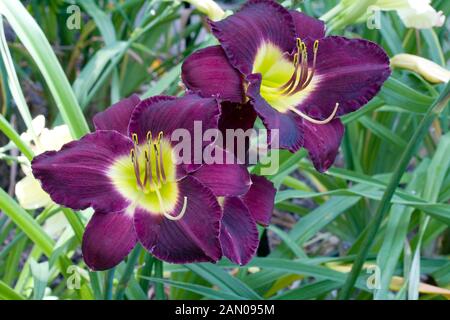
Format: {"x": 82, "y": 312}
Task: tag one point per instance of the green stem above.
{"x": 126, "y": 276}
{"x": 146, "y": 272}
{"x": 415, "y": 142}
{"x": 75, "y": 223}
{"x": 95, "y": 285}
{"x": 159, "y": 287}
{"x": 34, "y": 40}
{"x": 6, "y": 128}
{"x": 109, "y": 283}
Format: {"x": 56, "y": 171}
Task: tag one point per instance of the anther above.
{"x": 316, "y": 45}
{"x": 135, "y": 138}
{"x": 158, "y": 178}
{"x": 137, "y": 172}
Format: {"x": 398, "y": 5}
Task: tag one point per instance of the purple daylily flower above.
{"x": 239, "y": 234}
{"x": 297, "y": 80}
{"x": 126, "y": 171}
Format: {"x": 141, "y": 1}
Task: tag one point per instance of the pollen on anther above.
{"x": 316, "y": 45}
{"x": 135, "y": 138}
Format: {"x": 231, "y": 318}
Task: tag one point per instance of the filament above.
{"x": 312, "y": 120}
{"x": 161, "y": 163}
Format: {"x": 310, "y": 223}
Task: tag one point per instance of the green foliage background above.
{"x": 385, "y": 202}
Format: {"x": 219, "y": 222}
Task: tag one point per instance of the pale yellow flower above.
{"x": 418, "y": 14}
{"x": 209, "y": 8}
{"x": 429, "y": 70}
{"x": 28, "y": 190}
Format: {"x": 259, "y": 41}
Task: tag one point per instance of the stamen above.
{"x": 137, "y": 172}
{"x": 303, "y": 74}
{"x": 158, "y": 178}
{"x": 315, "y": 121}
{"x": 166, "y": 214}
{"x": 161, "y": 162}
{"x": 313, "y": 69}
{"x": 293, "y": 78}
{"x": 147, "y": 172}
{"x": 148, "y": 157}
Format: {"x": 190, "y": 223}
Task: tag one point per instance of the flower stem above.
{"x": 159, "y": 287}
{"x": 109, "y": 283}
{"x": 6, "y": 128}
{"x": 146, "y": 272}
{"x": 126, "y": 276}
{"x": 438, "y": 105}
{"x": 95, "y": 285}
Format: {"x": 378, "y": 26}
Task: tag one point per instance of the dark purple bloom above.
{"x": 126, "y": 171}
{"x": 239, "y": 234}
{"x": 297, "y": 80}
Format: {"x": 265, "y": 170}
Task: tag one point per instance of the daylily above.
{"x": 40, "y": 139}
{"x": 239, "y": 234}
{"x": 208, "y": 7}
{"x": 127, "y": 171}
{"x": 298, "y": 81}
{"x": 418, "y": 14}
{"x": 426, "y": 68}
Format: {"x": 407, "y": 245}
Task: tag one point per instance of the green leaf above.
{"x": 42, "y": 53}
{"x": 223, "y": 280}
{"x": 205, "y": 291}
{"x": 26, "y": 223}
{"x": 7, "y": 293}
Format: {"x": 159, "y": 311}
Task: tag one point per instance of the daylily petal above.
{"x": 322, "y": 142}
{"x": 260, "y": 199}
{"x": 290, "y": 133}
{"x": 193, "y": 238}
{"x": 235, "y": 117}
{"x": 167, "y": 114}
{"x": 307, "y": 27}
{"x": 117, "y": 116}
{"x": 77, "y": 175}
{"x": 239, "y": 236}
{"x": 257, "y": 23}
{"x": 349, "y": 72}
{"x": 208, "y": 73}
{"x": 108, "y": 239}
{"x": 224, "y": 179}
